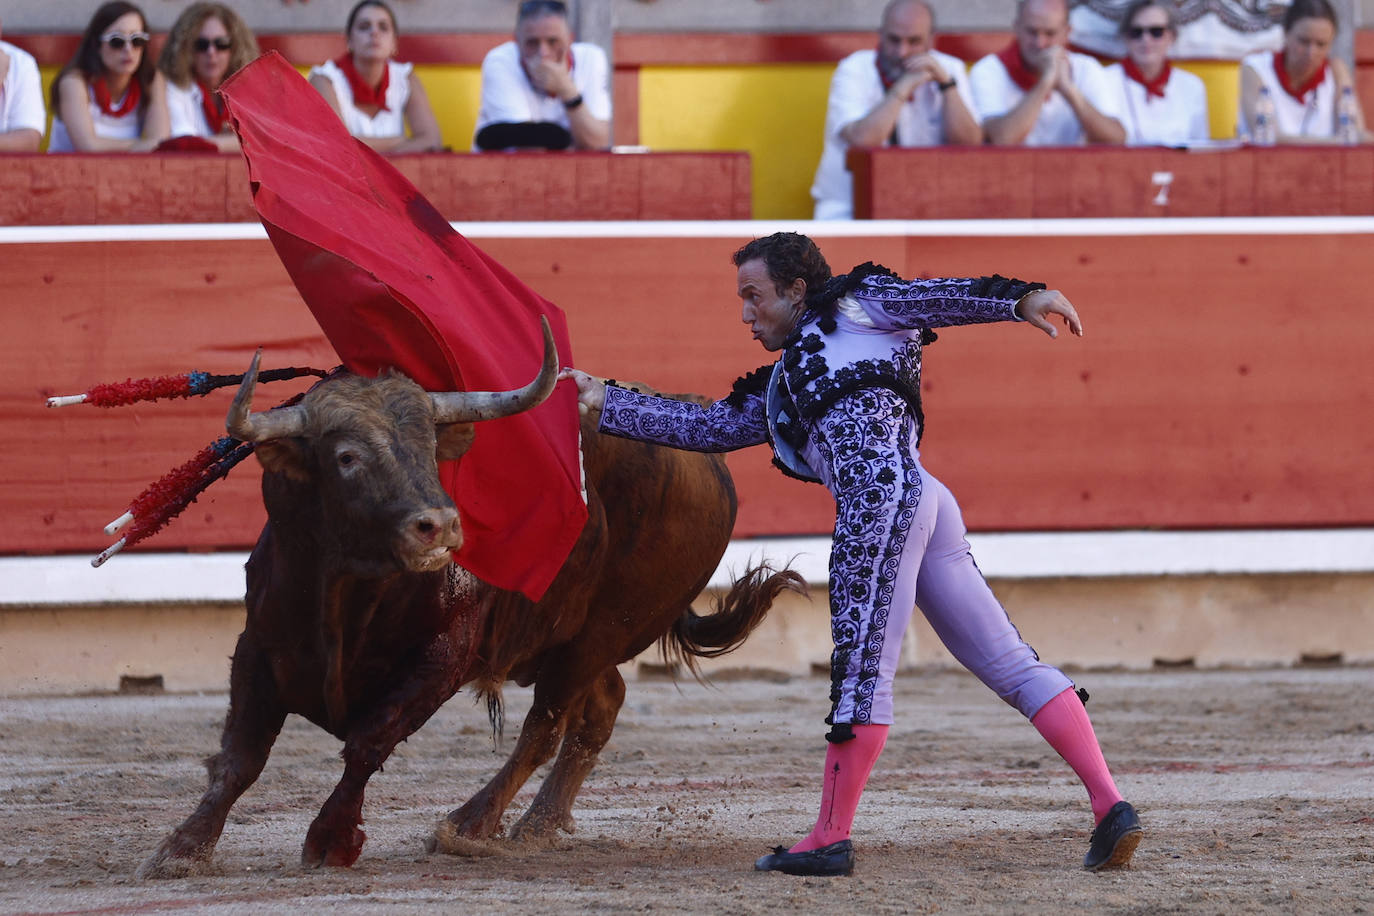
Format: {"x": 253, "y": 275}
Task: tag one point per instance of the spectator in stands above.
{"x": 1304, "y": 81}
{"x": 109, "y": 96}
{"x": 1159, "y": 103}
{"x": 1037, "y": 92}
{"x": 22, "y": 118}
{"x": 905, "y": 93}
{"x": 377, "y": 98}
{"x": 208, "y": 43}
{"x": 543, "y": 89}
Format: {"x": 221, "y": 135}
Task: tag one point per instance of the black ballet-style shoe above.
{"x": 835, "y": 859}
{"x": 1115, "y": 839}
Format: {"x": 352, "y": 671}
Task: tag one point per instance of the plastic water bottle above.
{"x": 1347, "y": 123}
{"x": 1264, "y": 132}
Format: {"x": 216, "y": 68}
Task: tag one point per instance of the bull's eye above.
{"x": 347, "y": 459}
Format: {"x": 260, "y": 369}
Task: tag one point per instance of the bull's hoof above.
{"x": 451, "y": 841}
{"x": 322, "y": 850}
{"x": 540, "y": 825}
{"x": 164, "y": 864}
{"x": 473, "y": 821}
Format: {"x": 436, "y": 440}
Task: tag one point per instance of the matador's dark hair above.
{"x": 788, "y": 256}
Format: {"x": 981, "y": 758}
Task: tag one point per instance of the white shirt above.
{"x": 509, "y": 98}
{"x": 1180, "y": 116}
{"x": 21, "y": 95}
{"x": 1316, "y": 117}
{"x": 389, "y": 121}
{"x": 855, "y": 90}
{"x": 128, "y": 127}
{"x": 994, "y": 94}
{"x": 187, "y": 111}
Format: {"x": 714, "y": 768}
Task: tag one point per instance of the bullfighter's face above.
{"x": 769, "y": 313}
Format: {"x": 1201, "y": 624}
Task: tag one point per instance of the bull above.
{"x": 358, "y": 621}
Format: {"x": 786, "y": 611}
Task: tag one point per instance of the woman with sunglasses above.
{"x": 1304, "y": 81}
{"x": 1160, "y": 104}
{"x": 110, "y": 97}
{"x": 208, "y": 43}
{"x": 377, "y": 98}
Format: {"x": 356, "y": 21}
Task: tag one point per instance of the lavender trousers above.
{"x": 899, "y": 543}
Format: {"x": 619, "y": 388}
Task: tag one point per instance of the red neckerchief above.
{"x": 1154, "y": 87}
{"x": 215, "y": 115}
{"x": 526, "y": 70}
{"x": 102, "y": 97}
{"x": 1297, "y": 92}
{"x": 363, "y": 94}
{"x": 1022, "y": 75}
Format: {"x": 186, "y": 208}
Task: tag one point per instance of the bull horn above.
{"x": 471, "y": 406}
{"x": 259, "y": 427}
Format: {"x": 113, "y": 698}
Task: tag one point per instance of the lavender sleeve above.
{"x": 896, "y": 304}
{"x": 716, "y": 427}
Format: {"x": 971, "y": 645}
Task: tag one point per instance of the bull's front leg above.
{"x": 335, "y": 838}
{"x": 255, "y": 718}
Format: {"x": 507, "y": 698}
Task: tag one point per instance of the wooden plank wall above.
{"x": 1223, "y": 381}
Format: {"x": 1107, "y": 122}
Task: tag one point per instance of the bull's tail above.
{"x": 734, "y": 617}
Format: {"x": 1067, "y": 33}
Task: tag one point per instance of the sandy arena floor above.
{"x": 1256, "y": 789}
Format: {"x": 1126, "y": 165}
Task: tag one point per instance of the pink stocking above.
{"x": 1063, "y": 722}
{"x": 847, "y": 766}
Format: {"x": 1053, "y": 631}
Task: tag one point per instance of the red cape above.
{"x": 393, "y": 285}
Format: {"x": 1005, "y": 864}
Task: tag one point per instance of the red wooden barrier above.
{"x": 1223, "y": 381}
{"x": 93, "y": 189}
{"x": 1072, "y": 182}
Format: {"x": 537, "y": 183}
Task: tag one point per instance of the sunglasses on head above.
{"x": 1154, "y": 31}
{"x": 219, "y": 44}
{"x": 117, "y": 41}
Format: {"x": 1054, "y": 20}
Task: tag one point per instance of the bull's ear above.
{"x": 283, "y": 456}
{"x": 453, "y": 440}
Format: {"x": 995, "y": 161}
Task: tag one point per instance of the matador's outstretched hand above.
{"x": 1033, "y": 307}
{"x": 591, "y": 391}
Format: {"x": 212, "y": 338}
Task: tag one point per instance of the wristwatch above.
{"x": 573, "y": 102}
{"x": 946, "y": 86}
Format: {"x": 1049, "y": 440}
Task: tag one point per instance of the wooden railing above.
{"x": 1076, "y": 182}
{"x": 96, "y": 189}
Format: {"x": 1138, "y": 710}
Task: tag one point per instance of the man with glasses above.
{"x": 543, "y": 89}
{"x": 904, "y": 93}
{"x": 1038, "y": 93}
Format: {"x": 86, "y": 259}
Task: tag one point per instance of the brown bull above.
{"x": 358, "y": 621}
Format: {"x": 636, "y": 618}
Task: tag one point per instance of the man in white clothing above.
{"x": 1038, "y": 93}
{"x": 904, "y": 93}
{"x": 543, "y": 89}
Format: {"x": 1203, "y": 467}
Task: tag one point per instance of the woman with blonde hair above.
{"x": 208, "y": 43}
{"x": 109, "y": 97}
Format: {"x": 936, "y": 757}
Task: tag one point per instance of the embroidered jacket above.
{"x": 865, "y": 329}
